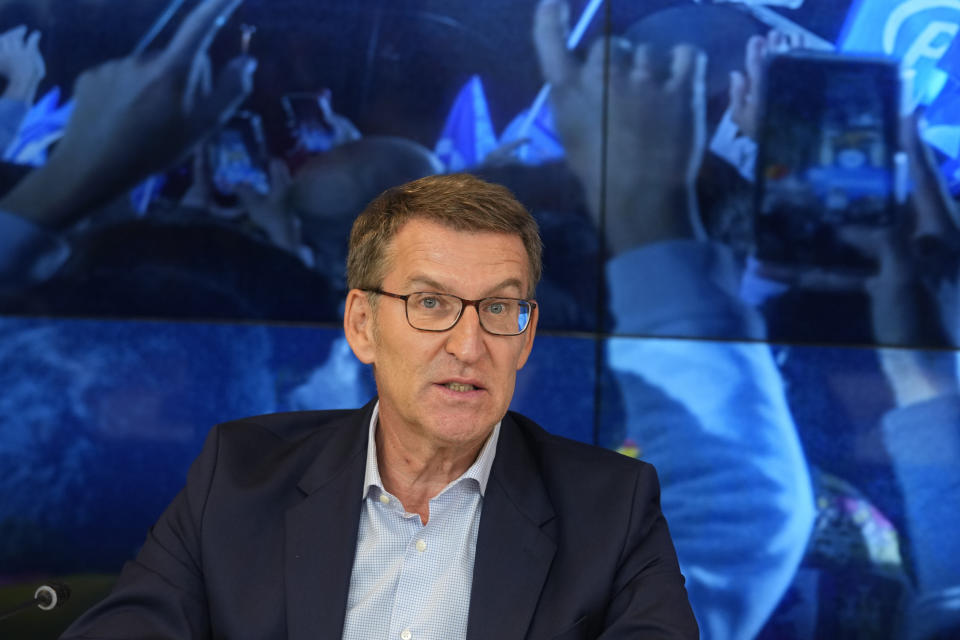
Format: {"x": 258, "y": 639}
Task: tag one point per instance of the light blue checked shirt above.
{"x": 410, "y": 581}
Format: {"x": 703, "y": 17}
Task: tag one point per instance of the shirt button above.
{"x": 384, "y": 498}
{"x": 405, "y": 634}
{"x": 421, "y": 545}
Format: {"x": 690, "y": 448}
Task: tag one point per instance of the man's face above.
{"x": 414, "y": 369}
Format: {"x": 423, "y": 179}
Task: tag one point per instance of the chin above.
{"x": 462, "y": 429}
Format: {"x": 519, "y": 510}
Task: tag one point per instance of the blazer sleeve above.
{"x": 649, "y": 599}
{"x": 161, "y": 594}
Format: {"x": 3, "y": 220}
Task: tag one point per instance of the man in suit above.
{"x": 433, "y": 512}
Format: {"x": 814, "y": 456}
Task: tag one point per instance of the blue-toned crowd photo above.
{"x": 750, "y": 219}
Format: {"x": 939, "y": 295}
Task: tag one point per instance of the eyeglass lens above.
{"x": 439, "y": 312}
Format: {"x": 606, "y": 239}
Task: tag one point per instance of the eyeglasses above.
{"x": 431, "y": 311}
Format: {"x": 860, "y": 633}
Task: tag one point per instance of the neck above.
{"x": 415, "y": 472}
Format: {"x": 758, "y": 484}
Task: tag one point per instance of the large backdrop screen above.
{"x": 751, "y": 243}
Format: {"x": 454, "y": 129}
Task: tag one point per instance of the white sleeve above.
{"x": 680, "y": 288}
{"x": 712, "y": 417}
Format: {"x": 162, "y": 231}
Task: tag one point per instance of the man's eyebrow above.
{"x": 506, "y": 284}
{"x": 425, "y": 281}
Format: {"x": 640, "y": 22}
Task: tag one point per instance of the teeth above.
{"x": 456, "y": 386}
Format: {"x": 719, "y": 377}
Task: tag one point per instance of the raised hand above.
{"x": 654, "y": 135}
{"x": 21, "y": 63}
{"x": 745, "y": 85}
{"x": 135, "y": 116}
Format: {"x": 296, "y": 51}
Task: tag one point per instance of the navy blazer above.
{"x": 260, "y": 543}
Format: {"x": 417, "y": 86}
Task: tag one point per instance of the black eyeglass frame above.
{"x": 464, "y": 303}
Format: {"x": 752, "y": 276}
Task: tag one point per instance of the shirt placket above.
{"x": 421, "y": 569}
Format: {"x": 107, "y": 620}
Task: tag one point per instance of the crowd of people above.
{"x": 750, "y": 471}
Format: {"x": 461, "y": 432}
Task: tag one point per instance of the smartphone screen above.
{"x": 827, "y": 148}
{"x": 236, "y": 155}
{"x": 308, "y": 120}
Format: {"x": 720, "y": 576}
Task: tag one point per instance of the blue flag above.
{"x": 468, "y": 135}
{"x": 537, "y": 140}
{"x": 42, "y": 126}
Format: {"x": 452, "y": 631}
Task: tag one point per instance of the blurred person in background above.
{"x": 133, "y": 116}
{"x": 712, "y": 415}
{"x": 914, "y": 301}
{"x": 910, "y": 302}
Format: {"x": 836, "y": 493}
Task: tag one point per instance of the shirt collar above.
{"x": 479, "y": 470}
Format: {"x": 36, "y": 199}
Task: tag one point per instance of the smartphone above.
{"x": 237, "y": 154}
{"x": 309, "y": 120}
{"x": 828, "y": 156}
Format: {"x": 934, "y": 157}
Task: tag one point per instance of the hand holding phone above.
{"x": 314, "y": 124}
{"x": 828, "y": 157}
{"x": 236, "y": 155}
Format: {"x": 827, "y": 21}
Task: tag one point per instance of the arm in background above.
{"x": 913, "y": 302}
{"x": 133, "y": 116}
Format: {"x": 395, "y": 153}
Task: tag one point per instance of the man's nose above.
{"x": 465, "y": 339}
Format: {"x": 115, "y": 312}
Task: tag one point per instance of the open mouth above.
{"x": 460, "y": 386}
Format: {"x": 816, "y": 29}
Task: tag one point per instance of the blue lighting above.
{"x": 917, "y": 32}
{"x": 922, "y": 34}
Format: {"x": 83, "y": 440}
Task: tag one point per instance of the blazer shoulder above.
{"x": 279, "y": 447}
{"x": 296, "y": 435}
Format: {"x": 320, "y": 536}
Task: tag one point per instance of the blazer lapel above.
{"x": 321, "y": 533}
{"x": 514, "y": 553}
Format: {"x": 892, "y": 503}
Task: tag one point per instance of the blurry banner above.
{"x": 917, "y": 32}
{"x": 43, "y": 125}
{"x": 468, "y": 135}
{"x": 923, "y": 35}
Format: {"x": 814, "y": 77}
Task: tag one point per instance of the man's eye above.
{"x": 433, "y": 303}
{"x": 496, "y": 308}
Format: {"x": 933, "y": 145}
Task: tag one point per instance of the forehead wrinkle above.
{"x": 426, "y": 253}
{"x": 436, "y": 287}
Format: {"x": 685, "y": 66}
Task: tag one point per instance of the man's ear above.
{"x": 358, "y": 319}
{"x": 528, "y": 338}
